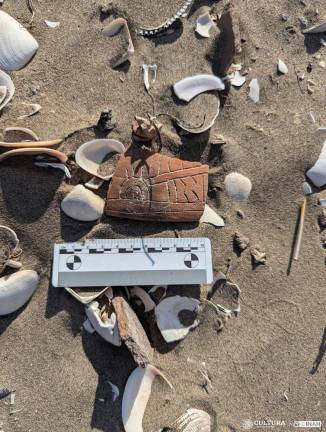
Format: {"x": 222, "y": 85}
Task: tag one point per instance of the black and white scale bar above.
{"x": 127, "y": 262}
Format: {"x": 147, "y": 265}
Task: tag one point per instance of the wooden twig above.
{"x": 300, "y": 230}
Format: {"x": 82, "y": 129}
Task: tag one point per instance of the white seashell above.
{"x": 82, "y": 204}
{"x": 136, "y": 396}
{"x": 319, "y": 28}
{"x": 108, "y": 330}
{"x": 115, "y": 391}
{"x": 3, "y": 93}
{"x": 193, "y": 420}
{"x": 203, "y": 25}
{"x": 237, "y": 186}
{"x": 16, "y": 289}
{"x": 84, "y": 295}
{"x": 144, "y": 297}
{"x": 211, "y": 217}
{"x": 34, "y": 109}
{"x": 90, "y": 155}
{"x": 52, "y": 24}
{"x": 17, "y": 45}
{"x": 167, "y": 317}
{"x": 147, "y": 69}
{"x": 6, "y": 81}
{"x": 254, "y": 90}
{"x": 24, "y": 134}
{"x": 189, "y": 87}
{"x": 115, "y": 27}
{"x": 317, "y": 174}
{"x": 282, "y": 68}
{"x": 237, "y": 80}
{"x": 307, "y": 190}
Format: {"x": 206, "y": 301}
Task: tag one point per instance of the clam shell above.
{"x": 193, "y": 420}
{"x": 6, "y": 81}
{"x": 237, "y": 186}
{"x": 317, "y": 174}
{"x": 190, "y": 87}
{"x": 82, "y": 204}
{"x": 17, "y": 45}
{"x": 108, "y": 330}
{"x": 167, "y": 317}
{"x": 16, "y": 289}
{"x": 90, "y": 155}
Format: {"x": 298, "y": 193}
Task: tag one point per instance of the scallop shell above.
{"x": 6, "y": 81}
{"x": 190, "y": 87}
{"x": 108, "y": 328}
{"x": 193, "y": 420}
{"x": 82, "y": 204}
{"x": 317, "y": 174}
{"x": 167, "y": 317}
{"x": 16, "y": 289}
{"x": 17, "y": 45}
{"x": 90, "y": 155}
{"x": 237, "y": 186}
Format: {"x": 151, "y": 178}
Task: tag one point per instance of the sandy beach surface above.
{"x": 267, "y": 363}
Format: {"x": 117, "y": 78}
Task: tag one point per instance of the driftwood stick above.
{"x": 300, "y": 230}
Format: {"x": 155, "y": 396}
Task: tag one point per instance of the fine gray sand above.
{"x": 276, "y": 343}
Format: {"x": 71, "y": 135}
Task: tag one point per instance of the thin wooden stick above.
{"x": 300, "y": 230}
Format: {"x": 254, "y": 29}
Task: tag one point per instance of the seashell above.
{"x": 32, "y": 151}
{"x": 254, "y": 90}
{"x": 106, "y": 327}
{"x": 136, "y": 396}
{"x": 193, "y": 420}
{"x": 190, "y": 87}
{"x": 115, "y": 27}
{"x": 84, "y": 295}
{"x": 203, "y": 25}
{"x": 16, "y": 289}
{"x": 90, "y": 155}
{"x": 167, "y": 317}
{"x": 307, "y": 190}
{"x": 211, "y": 217}
{"x": 258, "y": 256}
{"x": 3, "y": 93}
{"x": 34, "y": 144}
{"x": 237, "y": 80}
{"x": 52, "y": 24}
{"x": 237, "y": 186}
{"x": 114, "y": 390}
{"x": 82, "y": 204}
{"x": 144, "y": 297}
{"x": 35, "y": 108}
{"x": 147, "y": 69}
{"x": 319, "y": 28}
{"x": 282, "y": 68}
{"x": 18, "y": 133}
{"x": 17, "y": 45}
{"x": 6, "y": 81}
{"x": 9, "y": 249}
{"x": 317, "y": 174}
{"x": 59, "y": 166}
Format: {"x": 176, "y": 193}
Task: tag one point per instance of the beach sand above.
{"x": 275, "y": 345}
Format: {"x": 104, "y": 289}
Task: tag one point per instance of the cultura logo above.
{"x": 247, "y": 424}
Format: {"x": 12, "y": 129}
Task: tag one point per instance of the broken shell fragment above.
{"x": 237, "y": 80}
{"x": 167, "y": 314}
{"x": 17, "y": 45}
{"x": 6, "y": 81}
{"x": 82, "y": 204}
{"x": 203, "y": 25}
{"x": 9, "y": 249}
{"x": 104, "y": 324}
{"x": 33, "y": 151}
{"x": 18, "y": 134}
{"x": 3, "y": 93}
{"x": 317, "y": 174}
{"x": 34, "y": 109}
{"x": 149, "y": 70}
{"x": 112, "y": 29}
{"x": 237, "y": 186}
{"x": 84, "y": 295}
{"x": 319, "y": 28}
{"x": 31, "y": 144}
{"x": 144, "y": 297}
{"x": 190, "y": 87}
{"x": 282, "y": 68}
{"x": 254, "y": 91}
{"x": 211, "y": 217}
{"x": 52, "y": 24}
{"x": 193, "y": 420}
{"x": 16, "y": 289}
{"x": 90, "y": 155}
{"x": 258, "y": 256}
{"x": 136, "y": 396}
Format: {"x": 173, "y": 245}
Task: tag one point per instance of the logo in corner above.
{"x": 247, "y": 424}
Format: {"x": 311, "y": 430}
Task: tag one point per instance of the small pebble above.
{"x": 322, "y": 64}
{"x": 282, "y": 68}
